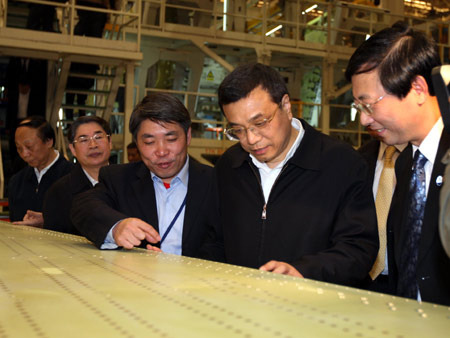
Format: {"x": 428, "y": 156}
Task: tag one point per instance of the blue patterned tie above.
{"x": 407, "y": 283}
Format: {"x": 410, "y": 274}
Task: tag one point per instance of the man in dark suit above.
{"x": 393, "y": 91}
{"x": 160, "y": 202}
{"x": 35, "y": 140}
{"x": 291, "y": 200}
{"x": 90, "y": 143}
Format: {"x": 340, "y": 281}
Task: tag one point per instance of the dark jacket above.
{"x": 24, "y": 191}
{"x": 126, "y": 190}
{"x": 58, "y": 201}
{"x": 320, "y": 215}
{"x": 433, "y": 265}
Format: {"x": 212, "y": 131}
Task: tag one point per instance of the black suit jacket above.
{"x": 370, "y": 152}
{"x": 433, "y": 266}
{"x": 25, "y": 193}
{"x": 126, "y": 190}
{"x": 58, "y": 201}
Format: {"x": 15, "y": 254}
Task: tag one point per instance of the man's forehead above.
{"x": 91, "y": 127}
{"x": 150, "y": 127}
{"x": 26, "y": 132}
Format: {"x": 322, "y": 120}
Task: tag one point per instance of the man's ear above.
{"x": 72, "y": 150}
{"x": 286, "y": 104}
{"x": 188, "y": 136}
{"x": 420, "y": 88}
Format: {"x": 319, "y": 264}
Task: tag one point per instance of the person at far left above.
{"x": 35, "y": 140}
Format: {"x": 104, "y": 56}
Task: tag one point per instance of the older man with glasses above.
{"x": 90, "y": 142}
{"x": 290, "y": 199}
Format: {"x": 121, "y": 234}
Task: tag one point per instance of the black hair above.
{"x": 132, "y": 145}
{"x": 245, "y": 78}
{"x": 159, "y": 108}
{"x": 87, "y": 119}
{"x": 399, "y": 53}
{"x": 44, "y": 130}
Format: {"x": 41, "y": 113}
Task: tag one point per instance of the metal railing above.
{"x": 129, "y": 14}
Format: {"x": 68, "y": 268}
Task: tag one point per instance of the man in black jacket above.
{"x": 90, "y": 142}
{"x": 291, "y": 200}
{"x": 160, "y": 202}
{"x": 35, "y": 139}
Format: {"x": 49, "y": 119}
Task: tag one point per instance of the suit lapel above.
{"x": 431, "y": 215}
{"x": 144, "y": 191}
{"x": 193, "y": 202}
{"x": 399, "y": 206}
{"x": 78, "y": 180}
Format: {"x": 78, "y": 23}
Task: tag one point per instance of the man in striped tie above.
{"x": 393, "y": 91}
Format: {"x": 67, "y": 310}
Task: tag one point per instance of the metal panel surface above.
{"x": 58, "y": 285}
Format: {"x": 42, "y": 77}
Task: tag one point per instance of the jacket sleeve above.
{"x": 213, "y": 245}
{"x": 94, "y": 212}
{"x": 353, "y": 243}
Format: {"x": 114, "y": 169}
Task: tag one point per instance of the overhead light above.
{"x": 225, "y": 9}
{"x": 309, "y": 9}
{"x": 274, "y": 30}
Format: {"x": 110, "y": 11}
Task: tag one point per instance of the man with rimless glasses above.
{"x": 90, "y": 142}
{"x": 393, "y": 91}
{"x": 291, "y": 200}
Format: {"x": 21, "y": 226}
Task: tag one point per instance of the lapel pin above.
{"x": 439, "y": 180}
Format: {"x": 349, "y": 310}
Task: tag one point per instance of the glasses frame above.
{"x": 252, "y": 127}
{"x": 366, "y": 108}
{"x": 92, "y": 138}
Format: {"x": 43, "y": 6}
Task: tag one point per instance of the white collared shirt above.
{"x": 429, "y": 148}
{"x": 90, "y": 178}
{"x": 40, "y": 174}
{"x": 269, "y": 175}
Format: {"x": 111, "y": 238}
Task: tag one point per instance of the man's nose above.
{"x": 161, "y": 149}
{"x": 365, "y": 119}
{"x": 252, "y": 136}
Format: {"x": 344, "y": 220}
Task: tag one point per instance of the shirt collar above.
{"x": 43, "y": 171}
{"x": 430, "y": 144}
{"x": 383, "y": 146}
{"x": 296, "y": 124}
{"x": 90, "y": 178}
{"x": 182, "y": 176}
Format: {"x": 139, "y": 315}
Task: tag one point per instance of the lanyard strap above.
{"x": 174, "y": 220}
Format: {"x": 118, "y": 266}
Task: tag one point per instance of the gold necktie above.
{"x": 382, "y": 204}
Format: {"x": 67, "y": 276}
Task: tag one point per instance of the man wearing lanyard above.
{"x": 393, "y": 91}
{"x": 159, "y": 203}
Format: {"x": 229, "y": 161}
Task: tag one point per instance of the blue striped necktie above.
{"x": 407, "y": 282}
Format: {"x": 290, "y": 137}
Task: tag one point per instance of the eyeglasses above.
{"x": 238, "y": 133}
{"x": 365, "y": 107}
{"x": 97, "y": 138}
